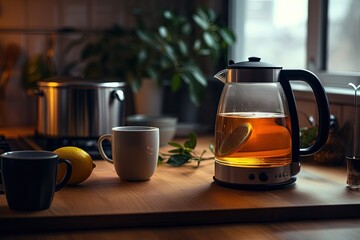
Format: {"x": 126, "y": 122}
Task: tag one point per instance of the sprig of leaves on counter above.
{"x": 185, "y": 153}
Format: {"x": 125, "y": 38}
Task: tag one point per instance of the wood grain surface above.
{"x": 185, "y": 196}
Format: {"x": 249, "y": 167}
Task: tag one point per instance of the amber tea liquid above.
{"x": 267, "y": 145}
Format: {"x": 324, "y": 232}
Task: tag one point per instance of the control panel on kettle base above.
{"x": 252, "y": 175}
{"x": 265, "y": 176}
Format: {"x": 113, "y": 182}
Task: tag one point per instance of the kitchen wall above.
{"x": 30, "y": 23}
{"x": 341, "y": 105}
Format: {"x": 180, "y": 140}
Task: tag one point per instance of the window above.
{"x": 343, "y": 36}
{"x": 274, "y": 30}
{"x": 320, "y": 35}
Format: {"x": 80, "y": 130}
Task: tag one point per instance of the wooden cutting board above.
{"x": 182, "y": 196}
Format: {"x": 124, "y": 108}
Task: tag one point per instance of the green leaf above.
{"x": 211, "y": 15}
{"x": 196, "y": 92}
{"x": 168, "y": 14}
{"x": 227, "y": 36}
{"x": 183, "y": 47}
{"x": 175, "y": 144}
{"x": 201, "y": 22}
{"x": 209, "y": 39}
{"x": 186, "y": 28}
{"x": 153, "y": 74}
{"x": 191, "y": 142}
{"x": 199, "y": 76}
{"x": 170, "y": 53}
{"x": 307, "y": 136}
{"x": 186, "y": 151}
{"x": 201, "y": 12}
{"x": 212, "y": 148}
{"x": 160, "y": 160}
{"x": 163, "y": 31}
{"x": 184, "y": 77}
{"x": 144, "y": 36}
{"x": 193, "y": 72}
{"x": 178, "y": 160}
{"x": 175, "y": 151}
{"x": 197, "y": 45}
{"x": 164, "y": 63}
{"x": 175, "y": 82}
{"x": 135, "y": 82}
{"x": 204, "y": 52}
{"x": 142, "y": 56}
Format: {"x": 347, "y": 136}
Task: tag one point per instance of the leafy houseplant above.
{"x": 172, "y": 50}
{"x": 106, "y": 56}
{"x": 167, "y": 53}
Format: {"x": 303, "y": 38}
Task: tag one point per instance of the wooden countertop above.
{"x": 185, "y": 200}
{"x": 185, "y": 195}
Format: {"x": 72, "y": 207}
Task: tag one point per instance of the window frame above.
{"x": 335, "y": 83}
{"x": 317, "y": 50}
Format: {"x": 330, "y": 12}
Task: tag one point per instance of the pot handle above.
{"x": 322, "y": 107}
{"x": 118, "y": 94}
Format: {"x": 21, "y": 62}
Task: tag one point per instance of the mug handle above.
{"x": 100, "y": 147}
{"x": 67, "y": 176}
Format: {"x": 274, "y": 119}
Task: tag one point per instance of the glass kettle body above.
{"x": 257, "y": 129}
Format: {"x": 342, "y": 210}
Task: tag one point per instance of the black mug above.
{"x": 29, "y": 178}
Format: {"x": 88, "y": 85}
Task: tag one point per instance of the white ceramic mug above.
{"x": 135, "y": 151}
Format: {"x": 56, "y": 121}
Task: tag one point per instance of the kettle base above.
{"x": 257, "y": 187}
{"x": 255, "y": 177}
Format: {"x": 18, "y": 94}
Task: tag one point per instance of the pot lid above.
{"x": 81, "y": 82}
{"x": 254, "y": 62}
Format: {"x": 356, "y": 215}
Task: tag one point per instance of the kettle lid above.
{"x": 254, "y": 62}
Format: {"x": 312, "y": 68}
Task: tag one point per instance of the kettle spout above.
{"x": 222, "y": 75}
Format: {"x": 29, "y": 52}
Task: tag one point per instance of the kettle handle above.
{"x": 322, "y": 107}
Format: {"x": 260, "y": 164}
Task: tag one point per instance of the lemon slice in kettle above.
{"x": 235, "y": 140}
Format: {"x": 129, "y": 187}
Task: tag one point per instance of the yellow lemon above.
{"x": 236, "y": 140}
{"x": 81, "y": 161}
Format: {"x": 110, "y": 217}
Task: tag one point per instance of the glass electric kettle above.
{"x": 257, "y": 128}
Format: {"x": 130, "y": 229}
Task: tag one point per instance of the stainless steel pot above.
{"x": 79, "y": 108}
